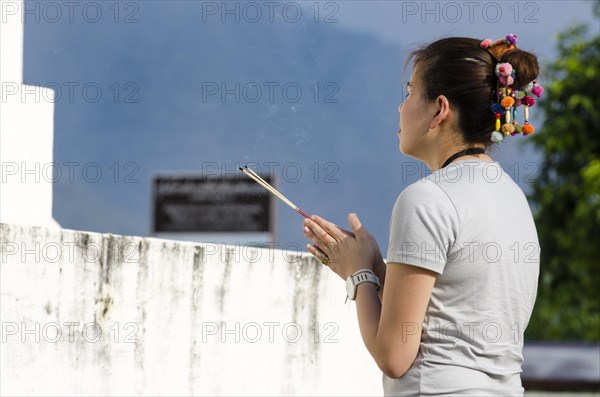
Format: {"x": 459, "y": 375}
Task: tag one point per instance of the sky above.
{"x": 406, "y": 22}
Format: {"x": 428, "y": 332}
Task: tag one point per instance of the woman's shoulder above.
{"x": 469, "y": 176}
{"x": 423, "y": 193}
{"x": 419, "y": 189}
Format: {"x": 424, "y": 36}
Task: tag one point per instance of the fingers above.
{"x": 356, "y": 225}
{"x": 318, "y": 253}
{"x": 314, "y": 233}
{"x": 316, "y": 230}
{"x": 328, "y": 227}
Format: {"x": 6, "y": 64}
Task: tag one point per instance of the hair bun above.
{"x": 525, "y": 65}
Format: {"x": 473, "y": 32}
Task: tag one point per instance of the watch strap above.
{"x": 363, "y": 276}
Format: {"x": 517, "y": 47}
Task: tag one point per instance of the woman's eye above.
{"x": 406, "y": 89}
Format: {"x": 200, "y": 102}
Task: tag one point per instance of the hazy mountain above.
{"x": 168, "y": 60}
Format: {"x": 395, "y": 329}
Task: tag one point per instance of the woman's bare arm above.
{"x": 391, "y": 327}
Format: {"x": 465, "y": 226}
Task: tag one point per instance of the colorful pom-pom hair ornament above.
{"x": 499, "y": 47}
{"x": 508, "y": 98}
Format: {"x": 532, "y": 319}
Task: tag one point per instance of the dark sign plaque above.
{"x": 220, "y": 204}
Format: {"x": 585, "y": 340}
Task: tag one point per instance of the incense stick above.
{"x": 266, "y": 185}
{"x": 255, "y": 177}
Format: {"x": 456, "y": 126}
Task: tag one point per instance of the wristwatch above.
{"x": 361, "y": 276}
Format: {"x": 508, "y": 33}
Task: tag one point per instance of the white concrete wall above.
{"x": 162, "y": 307}
{"x": 26, "y": 131}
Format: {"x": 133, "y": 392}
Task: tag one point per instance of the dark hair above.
{"x": 462, "y": 71}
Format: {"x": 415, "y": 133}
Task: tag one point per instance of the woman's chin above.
{"x": 402, "y": 148}
{"x": 405, "y": 148}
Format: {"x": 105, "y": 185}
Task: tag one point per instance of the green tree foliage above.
{"x": 566, "y": 194}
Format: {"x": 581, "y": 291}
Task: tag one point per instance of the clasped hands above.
{"x": 343, "y": 251}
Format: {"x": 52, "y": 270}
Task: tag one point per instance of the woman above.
{"x": 446, "y": 315}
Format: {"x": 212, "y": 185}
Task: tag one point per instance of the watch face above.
{"x": 350, "y": 287}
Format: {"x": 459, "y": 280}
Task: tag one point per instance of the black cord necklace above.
{"x": 475, "y": 150}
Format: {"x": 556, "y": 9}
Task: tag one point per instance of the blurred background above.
{"x": 307, "y": 93}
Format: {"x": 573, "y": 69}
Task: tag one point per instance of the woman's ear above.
{"x": 443, "y": 108}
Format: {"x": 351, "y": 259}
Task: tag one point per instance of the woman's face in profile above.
{"x": 414, "y": 122}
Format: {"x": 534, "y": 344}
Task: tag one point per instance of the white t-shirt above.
{"x": 470, "y": 223}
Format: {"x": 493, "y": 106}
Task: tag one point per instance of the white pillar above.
{"x": 11, "y": 41}
{"x": 26, "y": 131}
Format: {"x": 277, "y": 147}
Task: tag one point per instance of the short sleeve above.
{"x": 423, "y": 227}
